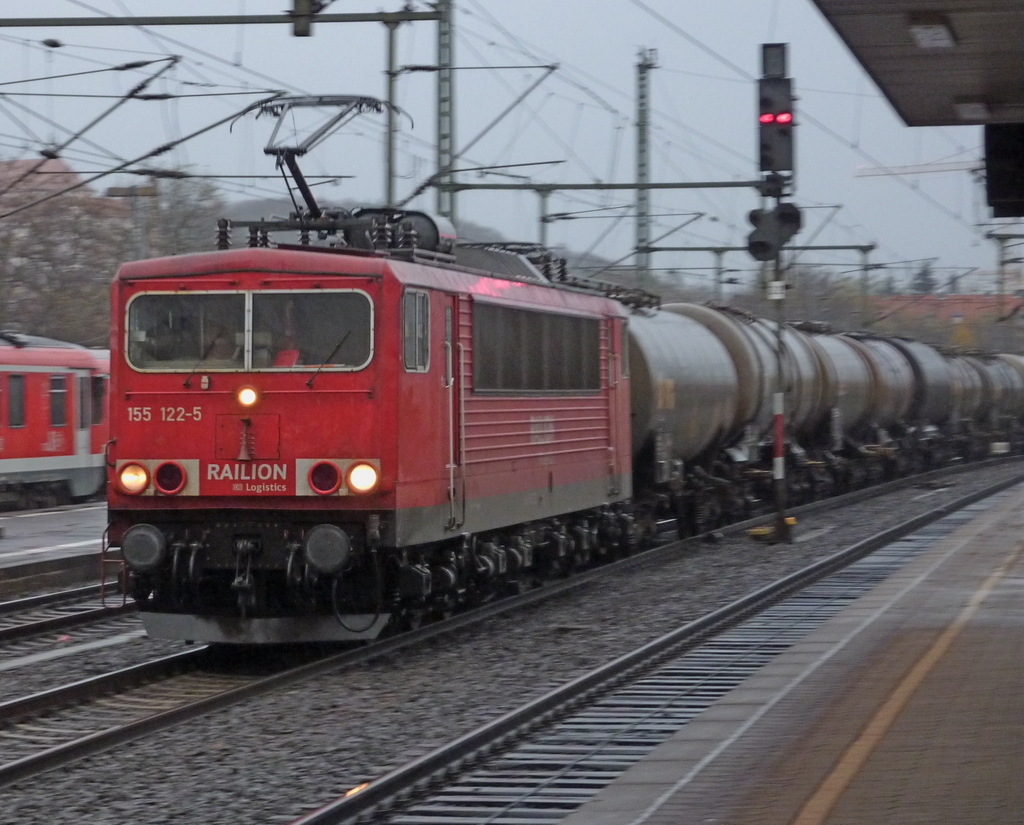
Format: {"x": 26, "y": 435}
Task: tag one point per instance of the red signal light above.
{"x": 783, "y": 118}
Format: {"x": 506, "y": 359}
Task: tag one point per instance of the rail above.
{"x": 434, "y": 769}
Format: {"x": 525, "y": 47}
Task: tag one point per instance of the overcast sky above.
{"x": 703, "y": 117}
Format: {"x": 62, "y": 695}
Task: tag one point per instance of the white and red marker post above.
{"x": 777, "y": 293}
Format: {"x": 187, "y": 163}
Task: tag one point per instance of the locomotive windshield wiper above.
{"x": 334, "y": 352}
{"x": 203, "y": 357}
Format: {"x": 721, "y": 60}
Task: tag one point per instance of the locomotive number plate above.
{"x": 169, "y": 414}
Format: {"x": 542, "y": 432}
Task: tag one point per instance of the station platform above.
{"x": 907, "y": 707}
{"x": 50, "y": 548}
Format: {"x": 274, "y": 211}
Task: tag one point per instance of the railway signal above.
{"x": 772, "y": 229}
{"x": 775, "y": 118}
{"x": 775, "y": 123}
{"x": 789, "y": 219}
{"x": 763, "y": 242}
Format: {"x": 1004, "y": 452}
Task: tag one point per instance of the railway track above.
{"x": 538, "y": 763}
{"x": 34, "y": 615}
{"x": 58, "y": 726}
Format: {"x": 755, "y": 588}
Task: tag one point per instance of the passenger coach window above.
{"x": 416, "y": 313}
{"x": 84, "y": 407}
{"x": 185, "y": 332}
{"x": 516, "y": 350}
{"x": 99, "y": 399}
{"x": 58, "y": 401}
{"x": 16, "y": 400}
{"x": 307, "y": 330}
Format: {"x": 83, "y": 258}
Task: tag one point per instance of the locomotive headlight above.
{"x": 362, "y": 478}
{"x": 134, "y": 478}
{"x": 247, "y": 396}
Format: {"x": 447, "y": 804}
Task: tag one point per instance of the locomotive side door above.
{"x": 615, "y": 350}
{"x": 454, "y": 375}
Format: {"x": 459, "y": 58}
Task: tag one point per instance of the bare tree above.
{"x": 58, "y": 257}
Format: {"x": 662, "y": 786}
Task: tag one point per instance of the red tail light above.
{"x": 170, "y": 478}
{"x": 325, "y": 478}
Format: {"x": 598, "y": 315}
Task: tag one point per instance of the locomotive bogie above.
{"x": 281, "y": 578}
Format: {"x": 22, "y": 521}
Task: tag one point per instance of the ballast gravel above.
{"x": 274, "y": 758}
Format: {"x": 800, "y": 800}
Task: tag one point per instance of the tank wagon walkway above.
{"x": 905, "y": 708}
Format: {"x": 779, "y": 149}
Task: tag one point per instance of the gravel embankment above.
{"x": 74, "y": 663}
{"x": 269, "y": 759}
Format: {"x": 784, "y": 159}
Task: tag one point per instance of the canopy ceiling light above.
{"x": 972, "y": 110}
{"x": 931, "y": 30}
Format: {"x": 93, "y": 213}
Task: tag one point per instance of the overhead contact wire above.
{"x": 153, "y": 153}
{"x": 51, "y": 154}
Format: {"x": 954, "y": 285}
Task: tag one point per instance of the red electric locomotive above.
{"x": 311, "y": 442}
{"x": 53, "y": 426}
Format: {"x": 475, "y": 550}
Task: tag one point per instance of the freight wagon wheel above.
{"x": 824, "y": 485}
{"x": 708, "y": 513}
{"x": 915, "y": 463}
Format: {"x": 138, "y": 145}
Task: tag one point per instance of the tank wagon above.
{"x": 53, "y": 425}
{"x": 326, "y": 442}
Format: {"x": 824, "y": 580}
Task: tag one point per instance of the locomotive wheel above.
{"x": 411, "y": 618}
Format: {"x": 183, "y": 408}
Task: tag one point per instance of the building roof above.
{"x": 950, "y": 308}
{"x": 36, "y": 176}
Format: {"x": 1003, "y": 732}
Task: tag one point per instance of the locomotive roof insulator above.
{"x": 432, "y": 233}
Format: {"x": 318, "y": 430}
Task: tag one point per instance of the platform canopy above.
{"x": 939, "y": 62}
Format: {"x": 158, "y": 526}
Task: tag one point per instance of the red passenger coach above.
{"x": 311, "y": 443}
{"x": 53, "y": 426}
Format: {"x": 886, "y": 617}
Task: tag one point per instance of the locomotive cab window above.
{"x": 184, "y": 332}
{"x": 321, "y": 329}
{"x": 416, "y": 330}
{"x": 329, "y": 329}
{"x": 522, "y": 351}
